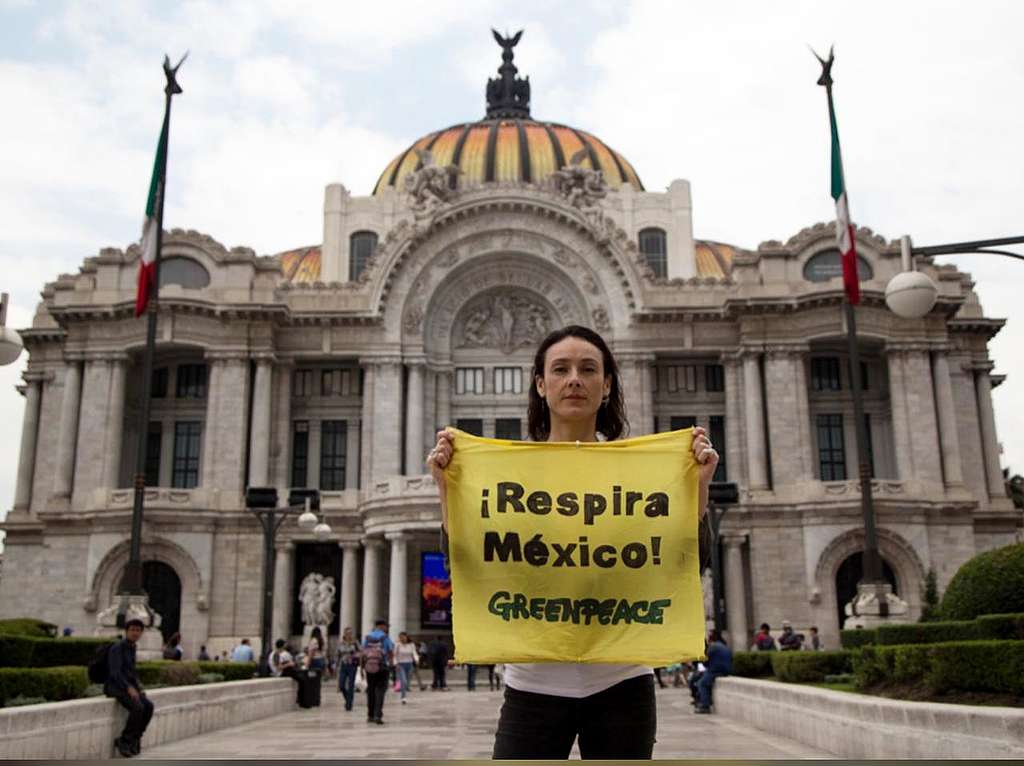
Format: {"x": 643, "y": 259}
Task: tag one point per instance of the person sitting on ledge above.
{"x": 719, "y": 664}
{"x": 123, "y": 685}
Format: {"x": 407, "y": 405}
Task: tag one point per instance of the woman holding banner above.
{"x": 575, "y": 395}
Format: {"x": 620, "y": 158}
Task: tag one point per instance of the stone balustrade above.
{"x": 861, "y": 726}
{"x": 85, "y": 729}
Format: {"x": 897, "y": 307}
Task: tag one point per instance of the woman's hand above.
{"x": 707, "y": 458}
{"x": 437, "y": 462}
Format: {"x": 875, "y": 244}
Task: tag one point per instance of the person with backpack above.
{"x": 376, "y": 660}
{"x": 121, "y": 681}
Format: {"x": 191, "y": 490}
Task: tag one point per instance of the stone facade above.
{"x": 280, "y": 371}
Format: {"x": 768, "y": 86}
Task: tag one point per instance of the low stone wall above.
{"x": 862, "y": 726}
{"x": 87, "y": 728}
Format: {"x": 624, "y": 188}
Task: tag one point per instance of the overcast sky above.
{"x": 282, "y": 98}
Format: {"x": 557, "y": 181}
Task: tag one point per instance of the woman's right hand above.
{"x": 437, "y": 462}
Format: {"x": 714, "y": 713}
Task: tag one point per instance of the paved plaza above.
{"x": 456, "y": 724}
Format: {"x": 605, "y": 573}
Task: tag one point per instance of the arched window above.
{"x": 654, "y": 247}
{"x": 828, "y": 264}
{"x": 178, "y": 270}
{"x": 361, "y": 246}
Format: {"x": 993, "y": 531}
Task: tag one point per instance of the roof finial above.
{"x": 508, "y": 96}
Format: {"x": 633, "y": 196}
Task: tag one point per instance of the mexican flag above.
{"x": 844, "y": 229}
{"x": 151, "y": 229}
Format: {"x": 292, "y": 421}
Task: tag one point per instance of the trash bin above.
{"x": 309, "y": 688}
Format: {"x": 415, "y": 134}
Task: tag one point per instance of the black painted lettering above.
{"x": 593, "y": 506}
{"x": 568, "y": 504}
{"x": 539, "y": 503}
{"x": 657, "y": 505}
{"x": 510, "y": 493}
{"x": 504, "y": 547}
{"x": 604, "y": 556}
{"x": 634, "y": 555}
{"x": 563, "y": 554}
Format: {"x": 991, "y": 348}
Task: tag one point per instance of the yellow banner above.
{"x": 566, "y": 552}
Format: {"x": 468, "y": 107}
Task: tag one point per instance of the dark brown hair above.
{"x": 611, "y": 417}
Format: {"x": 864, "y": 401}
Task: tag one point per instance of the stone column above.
{"x": 735, "y": 592}
{"x": 734, "y": 464}
{"x": 786, "y": 392}
{"x": 916, "y": 436}
{"x": 365, "y": 437}
{"x": 397, "y": 586}
{"x": 444, "y": 399}
{"x": 949, "y": 439}
{"x": 29, "y": 436}
{"x": 349, "y": 563}
{"x": 387, "y": 403}
{"x": 284, "y": 574}
{"x": 352, "y": 431}
{"x": 901, "y": 436}
{"x": 313, "y": 457}
{"x": 644, "y": 375}
{"x": 989, "y": 442}
{"x": 371, "y": 582}
{"x": 213, "y": 376}
{"x": 115, "y": 424}
{"x": 226, "y": 430}
{"x": 757, "y": 466}
{"x": 429, "y": 416}
{"x": 414, "y": 421}
{"x": 68, "y": 434}
{"x": 259, "y": 439}
{"x": 283, "y": 418}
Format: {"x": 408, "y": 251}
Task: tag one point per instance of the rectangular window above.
{"x": 508, "y": 380}
{"x": 191, "y": 381}
{"x": 717, "y": 433}
{"x": 473, "y": 426}
{"x": 332, "y": 454}
{"x": 158, "y": 385}
{"x": 469, "y": 380}
{"x": 300, "y": 453}
{"x": 831, "y": 448}
{"x": 328, "y": 382}
{"x": 187, "y": 437}
{"x": 682, "y": 421}
{"x": 681, "y": 377}
{"x": 825, "y": 373}
{"x": 714, "y": 378}
{"x": 303, "y": 383}
{"x": 154, "y": 445}
{"x": 508, "y": 428}
{"x": 350, "y": 382}
{"x": 865, "y": 381}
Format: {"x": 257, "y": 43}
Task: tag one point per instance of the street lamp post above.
{"x": 262, "y": 503}
{"x": 721, "y": 496}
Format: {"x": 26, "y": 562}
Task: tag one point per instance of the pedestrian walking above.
{"x": 406, "y": 658}
{"x": 122, "y": 683}
{"x": 439, "y": 663}
{"x": 575, "y": 394}
{"x": 377, "y": 656}
{"x": 348, "y": 658}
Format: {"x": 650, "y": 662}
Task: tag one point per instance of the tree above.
{"x": 930, "y": 598}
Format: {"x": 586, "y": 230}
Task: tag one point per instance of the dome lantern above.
{"x": 508, "y": 96}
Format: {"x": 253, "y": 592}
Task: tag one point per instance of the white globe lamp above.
{"x": 322, "y": 531}
{"x": 307, "y": 520}
{"x": 10, "y": 346}
{"x": 911, "y": 294}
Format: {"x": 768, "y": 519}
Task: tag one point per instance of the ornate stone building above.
{"x": 330, "y": 366}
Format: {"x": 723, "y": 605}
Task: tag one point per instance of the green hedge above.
{"x": 803, "y": 667}
{"x": 232, "y": 671}
{"x": 990, "y": 627}
{"x": 48, "y": 683}
{"x": 967, "y": 666}
{"x": 752, "y": 664}
{"x": 28, "y": 626}
{"x": 21, "y": 651}
{"x": 175, "y": 673}
{"x": 855, "y": 638}
{"x": 990, "y": 583}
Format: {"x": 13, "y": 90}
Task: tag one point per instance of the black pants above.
{"x": 439, "y": 669}
{"x": 139, "y": 713}
{"x": 617, "y": 723}
{"x": 376, "y": 688}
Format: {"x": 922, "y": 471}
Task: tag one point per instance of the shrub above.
{"x": 930, "y": 598}
{"x": 149, "y": 671}
{"x": 16, "y": 651}
{"x": 1001, "y": 627}
{"x": 966, "y": 666}
{"x": 802, "y": 667}
{"x": 55, "y": 652}
{"x": 926, "y": 632}
{"x": 180, "y": 674}
{"x": 990, "y": 583}
{"x": 20, "y": 701}
{"x": 28, "y": 626}
{"x": 210, "y": 678}
{"x": 841, "y": 678}
{"x": 854, "y": 638}
{"x": 48, "y": 683}
{"x": 752, "y": 664}
{"x": 232, "y": 671}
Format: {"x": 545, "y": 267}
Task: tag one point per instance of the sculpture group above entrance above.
{"x": 506, "y": 320}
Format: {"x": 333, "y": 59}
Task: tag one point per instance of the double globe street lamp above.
{"x": 262, "y": 503}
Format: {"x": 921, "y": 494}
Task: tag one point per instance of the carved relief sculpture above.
{"x": 431, "y": 186}
{"x": 508, "y": 321}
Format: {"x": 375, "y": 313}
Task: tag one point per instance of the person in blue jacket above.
{"x": 719, "y": 663}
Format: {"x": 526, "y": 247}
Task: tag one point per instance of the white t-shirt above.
{"x": 569, "y": 679}
{"x": 283, "y": 658}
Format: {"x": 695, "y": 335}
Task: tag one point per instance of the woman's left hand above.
{"x": 707, "y": 458}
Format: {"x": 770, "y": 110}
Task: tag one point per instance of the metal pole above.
{"x": 3, "y": 309}
{"x": 269, "y": 522}
{"x": 906, "y": 253}
{"x": 872, "y": 560}
{"x": 716, "y": 565}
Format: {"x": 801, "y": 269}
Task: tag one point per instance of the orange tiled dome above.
{"x": 517, "y": 150}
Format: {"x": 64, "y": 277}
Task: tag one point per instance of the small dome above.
{"x": 714, "y": 259}
{"x": 516, "y": 150}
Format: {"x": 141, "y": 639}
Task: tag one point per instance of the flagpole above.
{"x": 872, "y": 564}
{"x": 132, "y": 583}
